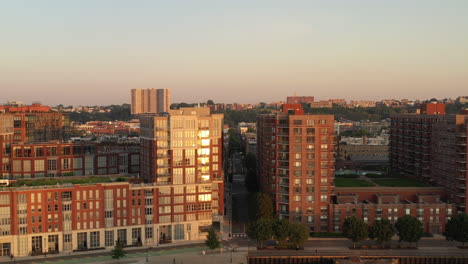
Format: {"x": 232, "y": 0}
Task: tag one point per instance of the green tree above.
{"x": 235, "y": 141}
{"x": 383, "y": 231}
{"x": 456, "y": 229}
{"x": 371, "y": 232}
{"x": 299, "y": 234}
{"x": 264, "y": 206}
{"x": 409, "y": 229}
{"x": 118, "y": 252}
{"x": 355, "y": 230}
{"x": 212, "y": 240}
{"x": 281, "y": 230}
{"x": 261, "y": 230}
{"x": 210, "y": 102}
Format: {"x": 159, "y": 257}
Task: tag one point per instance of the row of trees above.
{"x": 408, "y": 228}
{"x": 266, "y": 226}
{"x": 288, "y": 235}
{"x": 117, "y": 112}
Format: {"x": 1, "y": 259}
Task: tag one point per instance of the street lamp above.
{"x": 147, "y": 252}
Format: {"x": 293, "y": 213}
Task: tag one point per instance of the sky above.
{"x": 92, "y": 52}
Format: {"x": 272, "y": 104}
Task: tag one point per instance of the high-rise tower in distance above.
{"x": 150, "y": 101}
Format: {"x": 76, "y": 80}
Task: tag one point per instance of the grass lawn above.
{"x": 399, "y": 182}
{"x": 376, "y": 175}
{"x": 352, "y": 183}
{"x": 42, "y": 182}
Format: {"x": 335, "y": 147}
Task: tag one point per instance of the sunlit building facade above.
{"x": 150, "y": 101}
{"x": 296, "y": 164}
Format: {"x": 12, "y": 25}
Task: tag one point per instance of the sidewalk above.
{"x": 105, "y": 253}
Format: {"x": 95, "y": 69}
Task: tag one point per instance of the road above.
{"x": 315, "y": 243}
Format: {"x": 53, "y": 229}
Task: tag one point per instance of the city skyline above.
{"x": 85, "y": 53}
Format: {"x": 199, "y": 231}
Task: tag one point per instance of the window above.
{"x": 178, "y": 232}
{"x": 323, "y": 198}
{"x": 204, "y": 197}
{"x": 122, "y": 236}
{"x": 136, "y": 236}
{"x": 94, "y": 239}
{"x": 149, "y": 233}
{"x": 109, "y": 238}
{"x": 51, "y": 164}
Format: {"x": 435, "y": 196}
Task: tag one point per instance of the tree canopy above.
{"x": 118, "y": 252}
{"x": 409, "y": 229}
{"x": 299, "y": 233}
{"x": 355, "y": 229}
{"x": 265, "y": 207}
{"x": 261, "y": 230}
{"x": 281, "y": 230}
{"x": 212, "y": 240}
{"x": 382, "y": 230}
{"x": 117, "y": 112}
{"x": 456, "y": 229}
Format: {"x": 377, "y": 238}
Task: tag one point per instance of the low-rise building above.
{"x": 375, "y": 203}
{"x": 64, "y": 218}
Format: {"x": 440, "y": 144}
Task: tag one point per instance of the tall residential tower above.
{"x": 432, "y": 146}
{"x": 296, "y": 163}
{"x": 150, "y": 101}
{"x": 182, "y": 150}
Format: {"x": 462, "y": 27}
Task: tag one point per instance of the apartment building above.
{"x": 59, "y": 159}
{"x": 432, "y": 146}
{"x": 375, "y": 203}
{"x": 299, "y": 99}
{"x": 35, "y": 123}
{"x": 184, "y": 148}
{"x": 64, "y": 218}
{"x": 150, "y": 101}
{"x": 296, "y": 164}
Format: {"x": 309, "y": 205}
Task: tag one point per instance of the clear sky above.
{"x": 94, "y": 51}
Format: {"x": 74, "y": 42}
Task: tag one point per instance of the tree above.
{"x": 355, "y": 230}
{"x": 409, "y": 229}
{"x": 212, "y": 240}
{"x": 264, "y": 206}
{"x": 118, "y": 252}
{"x": 382, "y": 231}
{"x": 281, "y": 230}
{"x": 299, "y": 234}
{"x": 456, "y": 229}
{"x": 210, "y": 102}
{"x": 261, "y": 230}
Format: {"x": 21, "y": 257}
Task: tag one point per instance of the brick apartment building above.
{"x": 34, "y": 220}
{"x": 299, "y": 99}
{"x": 432, "y": 147}
{"x": 375, "y": 203}
{"x": 36, "y": 123}
{"x": 58, "y": 159}
{"x": 296, "y": 166}
{"x": 296, "y": 163}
